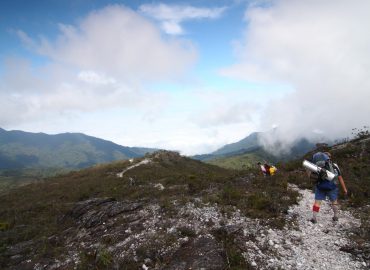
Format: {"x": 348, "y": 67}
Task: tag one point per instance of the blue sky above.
{"x": 184, "y": 75}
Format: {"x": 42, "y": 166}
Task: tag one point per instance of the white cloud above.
{"x": 171, "y": 16}
{"x": 189, "y": 139}
{"x": 102, "y": 62}
{"x": 172, "y": 28}
{"x": 226, "y": 114}
{"x": 92, "y": 77}
{"x": 32, "y": 94}
{"x": 119, "y": 42}
{"x": 320, "y": 48}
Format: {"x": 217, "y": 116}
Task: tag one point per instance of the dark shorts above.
{"x": 321, "y": 195}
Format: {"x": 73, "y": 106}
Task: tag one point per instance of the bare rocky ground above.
{"x": 127, "y": 235}
{"x": 304, "y": 245}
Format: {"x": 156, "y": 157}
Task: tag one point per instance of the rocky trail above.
{"x": 304, "y": 245}
{"x": 198, "y": 236}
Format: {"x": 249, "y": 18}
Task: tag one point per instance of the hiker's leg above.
{"x": 319, "y": 196}
{"x": 333, "y": 197}
{"x": 334, "y": 206}
{"x": 315, "y": 210}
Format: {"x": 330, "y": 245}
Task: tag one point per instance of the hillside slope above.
{"x": 248, "y": 143}
{"x": 247, "y": 152}
{"x": 161, "y": 210}
{"x": 245, "y": 159}
{"x": 166, "y": 211}
{"x": 21, "y": 150}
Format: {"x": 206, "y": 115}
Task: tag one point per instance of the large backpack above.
{"x": 322, "y": 160}
{"x": 272, "y": 170}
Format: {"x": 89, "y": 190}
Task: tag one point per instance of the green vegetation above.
{"x": 233, "y": 254}
{"x": 247, "y": 159}
{"x": 24, "y": 150}
{"x": 243, "y": 161}
{"x": 101, "y": 259}
{"x": 14, "y": 178}
{"x": 34, "y": 213}
{"x": 245, "y": 153}
{"x": 4, "y": 226}
{"x": 30, "y": 157}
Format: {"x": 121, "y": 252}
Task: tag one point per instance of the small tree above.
{"x": 361, "y": 133}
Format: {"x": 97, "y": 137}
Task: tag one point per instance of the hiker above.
{"x": 272, "y": 170}
{"x": 325, "y": 188}
{"x": 263, "y": 169}
{"x": 267, "y": 168}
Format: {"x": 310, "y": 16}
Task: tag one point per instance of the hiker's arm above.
{"x": 341, "y": 180}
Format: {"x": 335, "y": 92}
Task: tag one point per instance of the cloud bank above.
{"x": 321, "y": 49}
{"x": 120, "y": 42}
{"x": 171, "y": 16}
{"x": 103, "y": 61}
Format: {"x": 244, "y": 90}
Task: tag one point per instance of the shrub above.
{"x": 258, "y": 201}
{"x": 104, "y": 258}
{"x": 186, "y": 231}
{"x": 231, "y": 195}
{"x": 232, "y": 253}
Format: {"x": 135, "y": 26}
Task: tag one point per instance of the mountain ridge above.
{"x": 247, "y": 151}
{"x": 20, "y": 149}
{"x": 252, "y": 140}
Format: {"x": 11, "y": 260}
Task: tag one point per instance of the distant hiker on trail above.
{"x": 272, "y": 170}
{"x": 324, "y": 187}
{"x": 267, "y": 170}
{"x": 263, "y": 169}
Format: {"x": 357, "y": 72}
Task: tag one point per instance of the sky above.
{"x": 189, "y": 76}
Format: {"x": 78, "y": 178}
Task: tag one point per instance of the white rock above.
{"x": 302, "y": 246}
{"x": 144, "y": 267}
{"x": 159, "y": 186}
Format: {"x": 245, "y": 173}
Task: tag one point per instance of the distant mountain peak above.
{"x": 249, "y": 142}
{"x": 246, "y": 152}
{"x": 21, "y": 150}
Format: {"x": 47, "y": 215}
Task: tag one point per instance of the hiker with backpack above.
{"x": 266, "y": 169}
{"x": 272, "y": 170}
{"x": 262, "y": 167}
{"x": 327, "y": 176}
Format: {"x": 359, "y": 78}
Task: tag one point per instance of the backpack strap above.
{"x": 337, "y": 170}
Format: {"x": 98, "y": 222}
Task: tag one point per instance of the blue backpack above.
{"x": 322, "y": 160}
